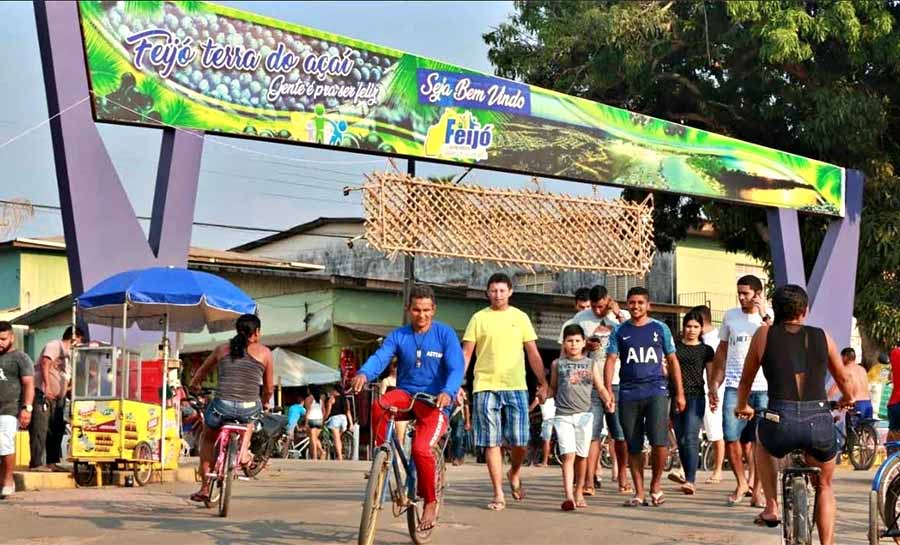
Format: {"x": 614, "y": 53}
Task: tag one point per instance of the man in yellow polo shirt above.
{"x": 497, "y": 335}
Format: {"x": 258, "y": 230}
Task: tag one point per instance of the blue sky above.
{"x": 240, "y": 187}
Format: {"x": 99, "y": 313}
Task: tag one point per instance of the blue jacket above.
{"x": 441, "y": 366}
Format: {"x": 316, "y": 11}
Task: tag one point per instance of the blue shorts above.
{"x": 613, "y": 423}
{"x": 223, "y": 411}
{"x": 735, "y": 428}
{"x": 501, "y": 418}
{"x": 864, "y": 408}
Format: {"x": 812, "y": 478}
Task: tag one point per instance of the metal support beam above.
{"x": 409, "y": 262}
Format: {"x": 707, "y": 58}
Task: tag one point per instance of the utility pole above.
{"x": 409, "y": 262}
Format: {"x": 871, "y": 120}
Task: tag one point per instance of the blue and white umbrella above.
{"x": 166, "y": 298}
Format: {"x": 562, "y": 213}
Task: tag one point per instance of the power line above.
{"x": 52, "y": 208}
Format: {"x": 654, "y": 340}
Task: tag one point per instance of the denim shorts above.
{"x": 598, "y": 411}
{"x": 735, "y": 428}
{"x": 337, "y": 422}
{"x": 645, "y": 417}
{"x": 613, "y": 423}
{"x": 787, "y": 426}
{"x": 224, "y": 411}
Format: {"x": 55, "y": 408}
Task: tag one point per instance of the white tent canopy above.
{"x": 296, "y": 370}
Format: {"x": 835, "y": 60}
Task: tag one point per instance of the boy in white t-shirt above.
{"x": 737, "y": 330}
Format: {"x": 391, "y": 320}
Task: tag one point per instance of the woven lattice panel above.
{"x": 511, "y": 227}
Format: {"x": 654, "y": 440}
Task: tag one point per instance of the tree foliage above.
{"x": 818, "y": 79}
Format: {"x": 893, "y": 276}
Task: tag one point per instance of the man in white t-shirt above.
{"x": 598, "y": 322}
{"x": 737, "y": 330}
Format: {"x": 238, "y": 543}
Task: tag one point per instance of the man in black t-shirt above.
{"x": 16, "y": 396}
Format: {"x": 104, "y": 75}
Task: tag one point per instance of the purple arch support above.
{"x": 102, "y": 234}
{"x": 832, "y": 285}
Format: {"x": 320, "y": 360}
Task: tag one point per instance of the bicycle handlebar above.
{"x": 421, "y": 396}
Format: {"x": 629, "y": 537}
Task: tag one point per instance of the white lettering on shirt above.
{"x": 643, "y": 354}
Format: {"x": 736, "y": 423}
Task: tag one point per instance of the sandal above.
{"x": 713, "y": 480}
{"x": 580, "y": 504}
{"x": 688, "y": 489}
{"x": 518, "y": 492}
{"x": 658, "y": 498}
{"x": 625, "y": 489}
{"x": 497, "y": 505}
{"x": 763, "y": 521}
{"x": 635, "y": 502}
{"x": 588, "y": 491}
{"x": 568, "y": 505}
{"x": 199, "y": 497}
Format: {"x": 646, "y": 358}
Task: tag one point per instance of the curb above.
{"x": 27, "y": 481}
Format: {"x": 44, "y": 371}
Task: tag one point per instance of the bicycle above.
{"x": 230, "y": 450}
{"x": 798, "y": 500}
{"x": 386, "y": 478}
{"x": 884, "y": 498}
{"x": 859, "y": 439}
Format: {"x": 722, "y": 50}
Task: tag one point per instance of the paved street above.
{"x": 319, "y": 503}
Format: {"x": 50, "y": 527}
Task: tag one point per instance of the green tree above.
{"x": 813, "y": 78}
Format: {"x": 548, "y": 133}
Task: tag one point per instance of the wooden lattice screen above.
{"x": 511, "y": 227}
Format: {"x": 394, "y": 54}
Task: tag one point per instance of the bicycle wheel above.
{"x": 890, "y": 509}
{"x": 414, "y": 512}
{"x": 862, "y": 445}
{"x": 557, "y": 454}
{"x": 143, "y": 469}
{"x": 227, "y": 479}
{"x": 874, "y": 532}
{"x": 258, "y": 462}
{"x": 372, "y": 502}
{"x": 797, "y": 519}
{"x": 708, "y": 457}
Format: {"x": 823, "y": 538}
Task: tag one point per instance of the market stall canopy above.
{"x": 191, "y": 299}
{"x": 296, "y": 370}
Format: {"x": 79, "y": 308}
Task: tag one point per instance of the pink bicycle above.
{"x": 230, "y": 451}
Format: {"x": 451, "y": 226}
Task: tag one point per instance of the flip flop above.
{"x": 688, "y": 489}
{"x": 588, "y": 492}
{"x": 635, "y": 502}
{"x": 199, "y": 497}
{"x": 626, "y": 489}
{"x": 657, "y": 498}
{"x": 497, "y": 505}
{"x": 762, "y": 521}
{"x": 568, "y": 505}
{"x": 581, "y": 504}
{"x": 713, "y": 480}
{"x": 518, "y": 492}
{"x": 676, "y": 478}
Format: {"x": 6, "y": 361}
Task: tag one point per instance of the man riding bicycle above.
{"x": 430, "y": 360}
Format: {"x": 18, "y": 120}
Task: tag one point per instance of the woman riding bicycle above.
{"x": 243, "y": 365}
{"x": 794, "y": 358}
{"x": 430, "y": 361}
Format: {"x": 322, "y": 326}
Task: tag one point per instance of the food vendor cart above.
{"x": 123, "y": 417}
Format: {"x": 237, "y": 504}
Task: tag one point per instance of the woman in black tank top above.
{"x": 794, "y": 358}
{"x": 243, "y": 364}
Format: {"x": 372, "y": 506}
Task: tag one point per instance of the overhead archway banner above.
{"x": 201, "y": 66}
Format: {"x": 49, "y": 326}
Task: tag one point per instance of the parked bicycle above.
{"x": 859, "y": 440}
{"x": 267, "y": 434}
{"x": 393, "y": 478}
